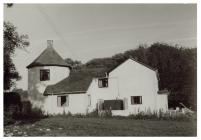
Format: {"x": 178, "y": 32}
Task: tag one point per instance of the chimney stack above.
{"x": 49, "y": 43}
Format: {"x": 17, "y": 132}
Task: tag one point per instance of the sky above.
{"x": 86, "y": 31}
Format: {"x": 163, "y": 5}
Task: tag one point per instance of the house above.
{"x": 129, "y": 88}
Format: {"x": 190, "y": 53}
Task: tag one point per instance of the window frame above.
{"x": 89, "y": 100}
{"x": 101, "y": 81}
{"x": 41, "y": 74}
{"x": 59, "y": 102}
{"x": 133, "y": 100}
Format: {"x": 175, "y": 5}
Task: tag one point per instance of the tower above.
{"x": 47, "y": 69}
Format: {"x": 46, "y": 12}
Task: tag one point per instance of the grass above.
{"x": 74, "y": 126}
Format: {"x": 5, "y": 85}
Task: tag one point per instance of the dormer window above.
{"x": 44, "y": 75}
{"x": 103, "y": 82}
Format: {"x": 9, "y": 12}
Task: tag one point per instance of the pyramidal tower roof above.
{"x": 49, "y": 57}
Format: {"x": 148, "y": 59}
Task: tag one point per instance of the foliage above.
{"x": 23, "y": 93}
{"x": 9, "y": 5}
{"x": 94, "y": 113}
{"x": 177, "y": 69}
{"x": 73, "y": 63}
{"x": 8, "y": 119}
{"x": 32, "y": 114}
{"x": 12, "y": 40}
{"x": 17, "y": 110}
{"x": 12, "y": 99}
{"x": 106, "y": 113}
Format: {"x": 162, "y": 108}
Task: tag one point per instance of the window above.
{"x": 136, "y": 100}
{"x": 103, "y": 82}
{"x": 62, "y": 101}
{"x": 89, "y": 100}
{"x": 44, "y": 75}
{"x": 113, "y": 105}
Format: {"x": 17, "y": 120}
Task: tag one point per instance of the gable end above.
{"x": 145, "y": 65}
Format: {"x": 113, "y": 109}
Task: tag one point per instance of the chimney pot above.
{"x": 49, "y": 43}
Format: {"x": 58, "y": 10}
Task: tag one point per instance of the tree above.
{"x": 177, "y": 69}
{"x": 73, "y": 63}
{"x": 9, "y": 5}
{"x": 12, "y": 40}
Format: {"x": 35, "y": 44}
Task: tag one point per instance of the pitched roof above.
{"x": 49, "y": 57}
{"x": 149, "y": 67}
{"x": 77, "y": 82}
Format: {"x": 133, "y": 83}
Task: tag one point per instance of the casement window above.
{"x": 89, "y": 100}
{"x": 103, "y": 82}
{"x": 62, "y": 101}
{"x": 136, "y": 100}
{"x": 44, "y": 75}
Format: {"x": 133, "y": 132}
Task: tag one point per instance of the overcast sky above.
{"x": 88, "y": 31}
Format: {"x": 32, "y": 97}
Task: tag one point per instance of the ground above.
{"x": 71, "y": 126}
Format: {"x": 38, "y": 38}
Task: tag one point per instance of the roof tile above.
{"x": 77, "y": 82}
{"x": 49, "y": 57}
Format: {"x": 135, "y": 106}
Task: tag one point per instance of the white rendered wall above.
{"x": 162, "y": 102}
{"x": 128, "y": 79}
{"x": 37, "y": 87}
{"x": 77, "y": 104}
{"x": 97, "y": 93}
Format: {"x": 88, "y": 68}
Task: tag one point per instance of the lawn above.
{"x": 73, "y": 126}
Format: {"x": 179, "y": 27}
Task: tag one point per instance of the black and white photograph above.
{"x": 99, "y": 69}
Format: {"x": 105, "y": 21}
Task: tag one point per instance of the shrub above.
{"x": 108, "y": 113}
{"x": 33, "y": 114}
{"x": 94, "y": 113}
{"x": 105, "y": 113}
{"x": 69, "y": 114}
{"x": 79, "y": 115}
{"x": 8, "y": 119}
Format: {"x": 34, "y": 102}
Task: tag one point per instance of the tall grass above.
{"x": 141, "y": 115}
{"x": 162, "y": 116}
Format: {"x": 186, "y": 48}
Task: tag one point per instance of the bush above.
{"x": 69, "y": 114}
{"x": 94, "y": 113}
{"x": 79, "y": 115}
{"x": 33, "y": 114}
{"x": 8, "y": 119}
{"x": 105, "y": 113}
{"x": 108, "y": 113}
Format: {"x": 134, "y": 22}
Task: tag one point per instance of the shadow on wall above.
{"x": 36, "y": 92}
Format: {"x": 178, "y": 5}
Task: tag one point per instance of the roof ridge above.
{"x": 154, "y": 69}
{"x": 49, "y": 57}
{"x": 133, "y": 60}
{"x": 38, "y": 56}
